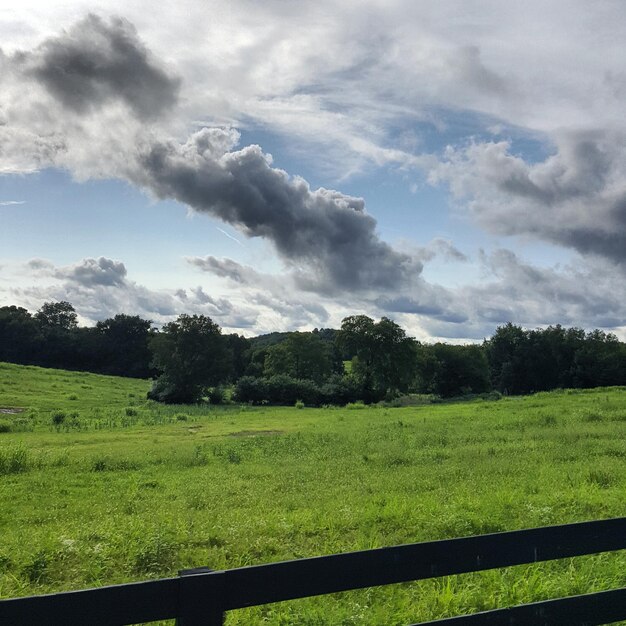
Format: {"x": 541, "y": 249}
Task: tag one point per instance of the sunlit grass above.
{"x": 138, "y": 490}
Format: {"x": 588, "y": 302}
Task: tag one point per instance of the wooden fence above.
{"x": 202, "y": 596}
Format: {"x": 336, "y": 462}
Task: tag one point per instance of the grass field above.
{"x": 118, "y": 489}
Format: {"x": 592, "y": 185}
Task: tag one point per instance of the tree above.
{"x": 59, "y": 315}
{"x": 448, "y": 370}
{"x": 192, "y": 355}
{"x": 20, "y": 335}
{"x": 506, "y": 353}
{"x": 124, "y": 347}
{"x": 301, "y": 356}
{"x": 384, "y": 357}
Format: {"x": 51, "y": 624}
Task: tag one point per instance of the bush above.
{"x": 5, "y": 427}
{"x": 169, "y": 392}
{"x": 355, "y": 406}
{"x": 339, "y": 390}
{"x": 181, "y": 417}
{"x": 283, "y": 389}
{"x": 299, "y": 404}
{"x": 58, "y": 417}
{"x": 251, "y": 389}
{"x": 217, "y": 395}
{"x": 130, "y": 411}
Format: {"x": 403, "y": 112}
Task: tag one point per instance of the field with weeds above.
{"x": 99, "y": 486}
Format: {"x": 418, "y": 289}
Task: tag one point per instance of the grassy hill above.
{"x": 124, "y": 489}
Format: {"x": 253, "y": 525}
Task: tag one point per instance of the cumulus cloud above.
{"x": 98, "y": 61}
{"x": 95, "y": 101}
{"x": 91, "y": 272}
{"x": 326, "y": 237}
{"x": 575, "y": 198}
{"x": 100, "y": 288}
{"x": 285, "y": 306}
{"x": 327, "y": 232}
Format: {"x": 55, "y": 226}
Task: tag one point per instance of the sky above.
{"x": 281, "y": 165}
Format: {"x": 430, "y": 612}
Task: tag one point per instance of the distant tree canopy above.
{"x": 192, "y": 355}
{"x": 57, "y": 315}
{"x": 125, "y": 347}
{"x": 301, "y": 356}
{"x": 524, "y": 361}
{"x": 190, "y": 358}
{"x": 383, "y": 357}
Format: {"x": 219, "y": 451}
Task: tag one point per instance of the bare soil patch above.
{"x": 11, "y": 410}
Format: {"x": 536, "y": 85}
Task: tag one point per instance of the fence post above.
{"x": 192, "y": 612}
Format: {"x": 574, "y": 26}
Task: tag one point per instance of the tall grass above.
{"x": 139, "y": 493}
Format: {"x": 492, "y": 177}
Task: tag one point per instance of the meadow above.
{"x": 99, "y": 486}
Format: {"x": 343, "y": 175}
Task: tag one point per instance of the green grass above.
{"x": 134, "y": 491}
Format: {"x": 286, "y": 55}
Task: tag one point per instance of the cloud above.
{"x": 575, "y": 198}
{"x": 40, "y": 264}
{"x": 95, "y": 85}
{"x": 98, "y": 61}
{"x": 442, "y": 248}
{"x": 100, "y": 288}
{"x": 90, "y": 272}
{"x": 324, "y": 231}
{"x": 225, "y": 268}
{"x": 12, "y": 202}
{"x": 285, "y": 306}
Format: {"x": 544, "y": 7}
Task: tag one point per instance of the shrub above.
{"x": 5, "y": 427}
{"x": 58, "y": 417}
{"x": 355, "y": 406}
{"x": 217, "y": 395}
{"x": 299, "y": 404}
{"x": 181, "y": 417}
{"x": 130, "y": 411}
{"x": 251, "y": 389}
{"x": 339, "y": 390}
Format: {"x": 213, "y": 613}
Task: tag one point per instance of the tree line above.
{"x": 190, "y": 359}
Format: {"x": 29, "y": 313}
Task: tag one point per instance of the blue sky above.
{"x": 475, "y": 151}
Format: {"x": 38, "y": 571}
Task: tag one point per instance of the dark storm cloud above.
{"x": 97, "y": 61}
{"x": 327, "y": 232}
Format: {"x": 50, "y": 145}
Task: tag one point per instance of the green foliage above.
{"x": 217, "y": 395}
{"x": 15, "y": 459}
{"x": 300, "y": 356}
{"x": 524, "y": 361}
{"x": 384, "y": 358}
{"x": 59, "y": 315}
{"x": 448, "y": 371}
{"x": 299, "y": 404}
{"x": 58, "y": 417}
{"x": 229, "y": 488}
{"x": 192, "y": 356}
{"x": 251, "y": 389}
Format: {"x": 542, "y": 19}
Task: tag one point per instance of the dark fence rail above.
{"x": 203, "y": 598}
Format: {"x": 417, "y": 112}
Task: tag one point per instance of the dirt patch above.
{"x": 10, "y": 410}
{"x": 254, "y": 433}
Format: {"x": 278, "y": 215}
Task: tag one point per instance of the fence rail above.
{"x": 203, "y": 597}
